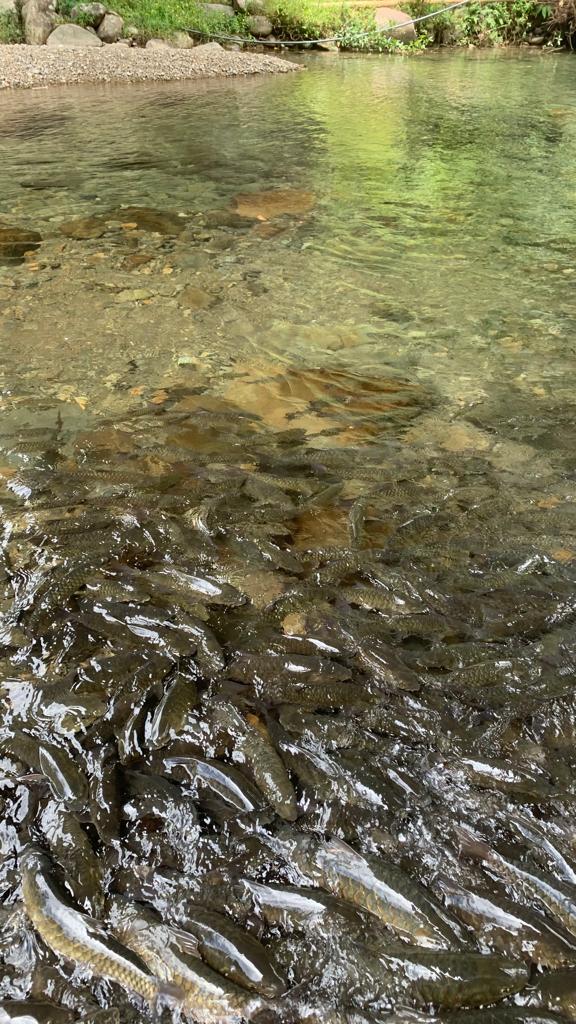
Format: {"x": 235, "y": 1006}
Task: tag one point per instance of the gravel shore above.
{"x": 28, "y": 67}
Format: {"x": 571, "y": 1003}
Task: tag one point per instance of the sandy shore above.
{"x": 28, "y": 67}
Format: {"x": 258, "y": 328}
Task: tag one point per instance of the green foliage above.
{"x": 162, "y": 17}
{"x": 494, "y": 24}
{"x": 305, "y": 19}
{"x": 356, "y": 28}
{"x": 10, "y": 28}
{"x": 64, "y": 12}
{"x": 362, "y": 35}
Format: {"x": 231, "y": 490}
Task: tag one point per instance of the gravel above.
{"x": 29, "y": 67}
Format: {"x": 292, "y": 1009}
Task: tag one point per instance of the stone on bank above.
{"x": 111, "y": 28}
{"x": 73, "y": 37}
{"x": 90, "y": 14}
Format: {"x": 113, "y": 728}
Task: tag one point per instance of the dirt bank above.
{"x": 28, "y": 67}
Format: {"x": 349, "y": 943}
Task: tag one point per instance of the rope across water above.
{"x": 337, "y": 38}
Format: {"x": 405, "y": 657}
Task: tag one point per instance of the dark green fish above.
{"x": 105, "y": 797}
{"x": 232, "y": 951}
{"x": 63, "y": 772}
{"x": 151, "y": 796}
{"x": 382, "y": 889}
{"x": 501, "y": 1015}
{"x": 172, "y": 954}
{"x": 381, "y": 663}
{"x": 556, "y": 898}
{"x": 75, "y": 936}
{"x": 71, "y": 847}
{"x": 31, "y": 1012}
{"x": 310, "y": 912}
{"x": 170, "y": 717}
{"x": 441, "y": 979}
{"x": 555, "y": 991}
{"x": 505, "y": 928}
{"x": 216, "y": 780}
{"x": 253, "y": 743}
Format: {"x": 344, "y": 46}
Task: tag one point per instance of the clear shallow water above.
{"x": 309, "y": 339}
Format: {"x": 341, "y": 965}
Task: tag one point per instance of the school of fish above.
{"x": 288, "y": 733}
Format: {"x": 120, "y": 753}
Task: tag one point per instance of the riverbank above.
{"x": 28, "y": 67}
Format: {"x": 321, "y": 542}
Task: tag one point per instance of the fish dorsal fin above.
{"x": 338, "y": 846}
{"x": 185, "y": 941}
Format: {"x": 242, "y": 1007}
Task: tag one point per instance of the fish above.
{"x": 505, "y": 928}
{"x": 72, "y": 848}
{"x": 558, "y": 900}
{"x": 554, "y": 857}
{"x": 65, "y": 775}
{"x": 382, "y": 889}
{"x": 215, "y": 779}
{"x": 232, "y": 951}
{"x": 442, "y": 979}
{"x": 31, "y": 1012}
{"x": 171, "y": 953}
{"x": 104, "y": 788}
{"x": 310, "y": 911}
{"x": 70, "y": 933}
{"x": 381, "y": 663}
{"x": 252, "y": 742}
{"x": 555, "y": 991}
{"x": 169, "y": 718}
{"x": 502, "y": 1015}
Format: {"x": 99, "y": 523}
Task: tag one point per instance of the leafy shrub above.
{"x": 163, "y": 17}
{"x": 507, "y": 21}
{"x": 10, "y": 28}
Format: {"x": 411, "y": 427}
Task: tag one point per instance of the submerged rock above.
{"x": 195, "y": 298}
{"x": 15, "y": 242}
{"x": 83, "y": 227}
{"x": 145, "y": 218}
{"x": 73, "y": 37}
{"x": 267, "y": 205}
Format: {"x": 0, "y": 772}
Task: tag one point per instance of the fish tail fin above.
{"x": 168, "y": 996}
{"x": 448, "y": 885}
{"x": 471, "y": 846}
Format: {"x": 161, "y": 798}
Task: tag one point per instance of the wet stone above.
{"x": 15, "y": 242}
{"x": 83, "y": 228}
{"x": 192, "y": 297}
{"x": 163, "y": 222}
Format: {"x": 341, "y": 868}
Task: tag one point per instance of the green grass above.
{"x": 162, "y": 17}
{"x": 10, "y": 28}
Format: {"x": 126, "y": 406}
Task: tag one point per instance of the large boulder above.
{"x": 73, "y": 37}
{"x": 259, "y": 25}
{"x": 389, "y": 17}
{"x": 218, "y": 9}
{"x": 111, "y": 28}
{"x": 38, "y": 19}
{"x": 88, "y": 14}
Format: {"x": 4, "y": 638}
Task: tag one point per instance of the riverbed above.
{"x": 288, "y": 578}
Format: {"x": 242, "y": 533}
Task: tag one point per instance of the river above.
{"x": 287, "y": 583}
